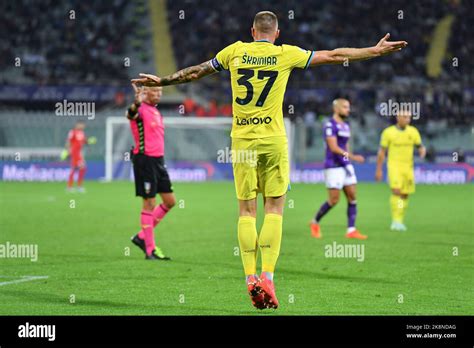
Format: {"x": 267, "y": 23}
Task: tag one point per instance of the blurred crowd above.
{"x": 61, "y": 42}
{"x": 85, "y": 42}
{"x": 200, "y": 31}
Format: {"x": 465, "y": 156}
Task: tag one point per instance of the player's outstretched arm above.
{"x": 185, "y": 75}
{"x": 344, "y": 55}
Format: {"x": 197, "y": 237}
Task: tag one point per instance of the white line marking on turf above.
{"x": 22, "y": 280}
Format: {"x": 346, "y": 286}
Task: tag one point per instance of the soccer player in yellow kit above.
{"x": 259, "y": 72}
{"x": 400, "y": 140}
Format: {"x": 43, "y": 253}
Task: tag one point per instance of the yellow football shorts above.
{"x": 260, "y": 165}
{"x": 402, "y": 178}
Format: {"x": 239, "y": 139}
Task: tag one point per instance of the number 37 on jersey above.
{"x": 259, "y": 74}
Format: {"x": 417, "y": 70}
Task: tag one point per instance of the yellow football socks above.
{"x": 270, "y": 241}
{"x": 398, "y": 207}
{"x": 247, "y": 234}
{"x": 405, "y": 206}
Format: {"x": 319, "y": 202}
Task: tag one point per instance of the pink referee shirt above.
{"x": 148, "y": 131}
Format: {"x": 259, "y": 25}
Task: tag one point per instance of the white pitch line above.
{"x": 23, "y": 279}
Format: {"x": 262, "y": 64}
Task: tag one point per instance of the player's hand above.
{"x": 147, "y": 80}
{"x": 64, "y": 154}
{"x": 385, "y": 47}
{"x": 378, "y": 175}
{"x": 138, "y": 94}
{"x": 358, "y": 158}
{"x": 422, "y": 152}
{"x": 92, "y": 140}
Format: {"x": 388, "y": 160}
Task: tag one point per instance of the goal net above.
{"x": 194, "y": 148}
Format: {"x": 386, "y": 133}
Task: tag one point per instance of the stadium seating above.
{"x": 327, "y": 25}
{"x": 70, "y": 41}
{"x": 89, "y": 49}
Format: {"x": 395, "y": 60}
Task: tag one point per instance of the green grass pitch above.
{"x": 83, "y": 252}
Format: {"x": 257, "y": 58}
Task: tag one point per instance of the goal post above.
{"x": 187, "y": 140}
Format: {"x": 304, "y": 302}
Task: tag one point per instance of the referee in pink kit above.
{"x": 151, "y": 176}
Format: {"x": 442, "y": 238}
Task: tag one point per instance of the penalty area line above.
{"x": 22, "y": 280}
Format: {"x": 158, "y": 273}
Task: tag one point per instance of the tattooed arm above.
{"x": 186, "y": 75}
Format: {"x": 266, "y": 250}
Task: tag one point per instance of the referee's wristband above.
{"x": 133, "y": 109}
{"x": 131, "y": 115}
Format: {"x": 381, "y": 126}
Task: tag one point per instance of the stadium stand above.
{"x": 207, "y": 31}
{"x": 56, "y": 51}
{"x": 69, "y": 41}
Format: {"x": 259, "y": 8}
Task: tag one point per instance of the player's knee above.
{"x": 148, "y": 204}
{"x": 274, "y": 210}
{"x": 170, "y": 202}
{"x": 248, "y": 207}
{"x": 248, "y": 210}
{"x": 333, "y": 201}
{"x": 274, "y": 205}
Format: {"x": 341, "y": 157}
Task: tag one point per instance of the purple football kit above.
{"x": 339, "y": 171}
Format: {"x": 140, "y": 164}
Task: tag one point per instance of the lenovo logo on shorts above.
{"x": 252, "y": 121}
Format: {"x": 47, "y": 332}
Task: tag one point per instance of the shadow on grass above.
{"x": 332, "y": 276}
{"x": 101, "y": 307}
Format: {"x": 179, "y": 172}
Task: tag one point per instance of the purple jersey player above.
{"x": 342, "y": 132}
{"x": 339, "y": 172}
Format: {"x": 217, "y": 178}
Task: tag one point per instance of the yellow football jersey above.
{"x": 400, "y": 144}
{"x": 259, "y": 72}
